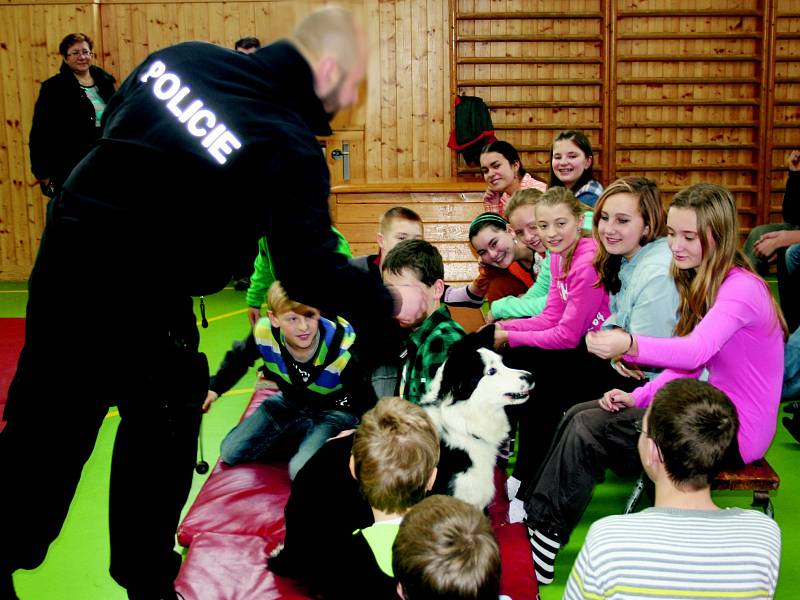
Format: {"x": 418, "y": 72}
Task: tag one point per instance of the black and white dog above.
{"x": 467, "y": 401}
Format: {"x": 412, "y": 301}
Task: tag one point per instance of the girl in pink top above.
{"x": 504, "y": 174}
{"x": 728, "y": 322}
{"x": 575, "y": 305}
{"x": 549, "y": 344}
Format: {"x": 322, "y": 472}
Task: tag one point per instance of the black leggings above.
{"x": 562, "y": 379}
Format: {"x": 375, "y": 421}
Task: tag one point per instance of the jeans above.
{"x": 278, "y": 426}
{"x": 792, "y": 259}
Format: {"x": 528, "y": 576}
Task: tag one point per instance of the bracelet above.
{"x": 629, "y": 345}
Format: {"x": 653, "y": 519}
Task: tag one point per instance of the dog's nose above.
{"x": 528, "y": 378}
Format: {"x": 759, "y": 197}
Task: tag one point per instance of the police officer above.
{"x": 203, "y": 151}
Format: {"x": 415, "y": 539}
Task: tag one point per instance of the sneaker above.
{"x": 544, "y": 549}
{"x": 516, "y": 511}
{"x": 792, "y": 408}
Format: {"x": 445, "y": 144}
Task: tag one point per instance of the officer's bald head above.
{"x": 335, "y": 46}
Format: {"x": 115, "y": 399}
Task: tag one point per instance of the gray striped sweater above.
{"x": 676, "y": 554}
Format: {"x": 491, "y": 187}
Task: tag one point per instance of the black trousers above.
{"x": 88, "y": 348}
{"x": 789, "y": 292}
{"x": 562, "y": 379}
{"x": 588, "y": 440}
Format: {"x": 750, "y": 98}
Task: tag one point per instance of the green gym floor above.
{"x": 76, "y": 567}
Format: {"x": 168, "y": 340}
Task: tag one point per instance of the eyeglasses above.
{"x": 75, "y": 53}
{"x": 638, "y": 425}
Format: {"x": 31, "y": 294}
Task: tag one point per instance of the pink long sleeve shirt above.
{"x": 574, "y": 305}
{"x": 740, "y": 342}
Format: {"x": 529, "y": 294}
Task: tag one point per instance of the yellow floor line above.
{"x": 13, "y": 291}
{"x": 226, "y": 315}
{"x": 239, "y": 392}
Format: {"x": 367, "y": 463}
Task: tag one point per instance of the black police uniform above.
{"x": 159, "y": 211}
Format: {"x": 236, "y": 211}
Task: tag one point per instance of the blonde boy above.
{"x": 323, "y": 388}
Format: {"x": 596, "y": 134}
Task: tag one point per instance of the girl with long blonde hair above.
{"x": 728, "y": 324}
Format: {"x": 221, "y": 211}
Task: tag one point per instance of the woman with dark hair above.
{"x": 67, "y": 115}
{"x": 502, "y": 170}
{"x": 571, "y": 160}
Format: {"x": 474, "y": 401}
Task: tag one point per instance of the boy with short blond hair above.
{"x": 323, "y": 388}
{"x": 394, "y": 458}
{"x": 342, "y": 520}
{"x": 417, "y": 263}
{"x": 446, "y": 548}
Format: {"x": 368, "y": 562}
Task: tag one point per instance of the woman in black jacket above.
{"x": 66, "y": 118}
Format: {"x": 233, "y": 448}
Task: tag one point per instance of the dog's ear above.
{"x": 464, "y": 366}
{"x": 484, "y": 338}
{"x": 472, "y": 341}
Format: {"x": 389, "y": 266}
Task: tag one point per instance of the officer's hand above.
{"x": 253, "y": 315}
{"x": 210, "y": 397}
{"x": 414, "y": 304}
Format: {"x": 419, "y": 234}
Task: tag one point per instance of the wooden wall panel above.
{"x": 398, "y": 131}
{"x": 446, "y": 209}
{"x": 681, "y": 90}
{"x": 696, "y": 117}
{"x": 29, "y": 37}
{"x": 785, "y": 105}
{"x": 538, "y": 66}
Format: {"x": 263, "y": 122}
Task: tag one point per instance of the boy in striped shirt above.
{"x": 684, "y": 546}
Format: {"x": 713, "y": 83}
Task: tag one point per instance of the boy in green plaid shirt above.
{"x": 417, "y": 263}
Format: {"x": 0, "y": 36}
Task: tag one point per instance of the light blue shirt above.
{"x": 647, "y": 302}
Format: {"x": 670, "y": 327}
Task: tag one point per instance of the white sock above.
{"x": 512, "y": 487}
{"x": 516, "y": 511}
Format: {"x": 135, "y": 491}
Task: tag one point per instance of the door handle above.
{"x": 344, "y": 156}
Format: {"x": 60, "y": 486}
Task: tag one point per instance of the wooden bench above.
{"x": 758, "y": 477}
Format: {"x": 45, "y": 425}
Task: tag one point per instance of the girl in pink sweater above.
{"x": 728, "y": 322}
{"x": 551, "y": 343}
{"x": 575, "y": 304}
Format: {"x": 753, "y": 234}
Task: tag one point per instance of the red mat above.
{"x": 12, "y": 334}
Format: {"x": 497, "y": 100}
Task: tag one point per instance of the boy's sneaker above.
{"x": 544, "y": 549}
{"x": 793, "y": 426}
{"x": 792, "y": 408}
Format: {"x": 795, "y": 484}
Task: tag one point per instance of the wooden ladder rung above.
{"x": 527, "y": 82}
{"x": 690, "y": 58}
{"x": 525, "y": 60}
{"x": 470, "y": 16}
{"x": 532, "y": 37}
{"x": 685, "y": 146}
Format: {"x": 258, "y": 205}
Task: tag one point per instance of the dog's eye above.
{"x": 491, "y": 371}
